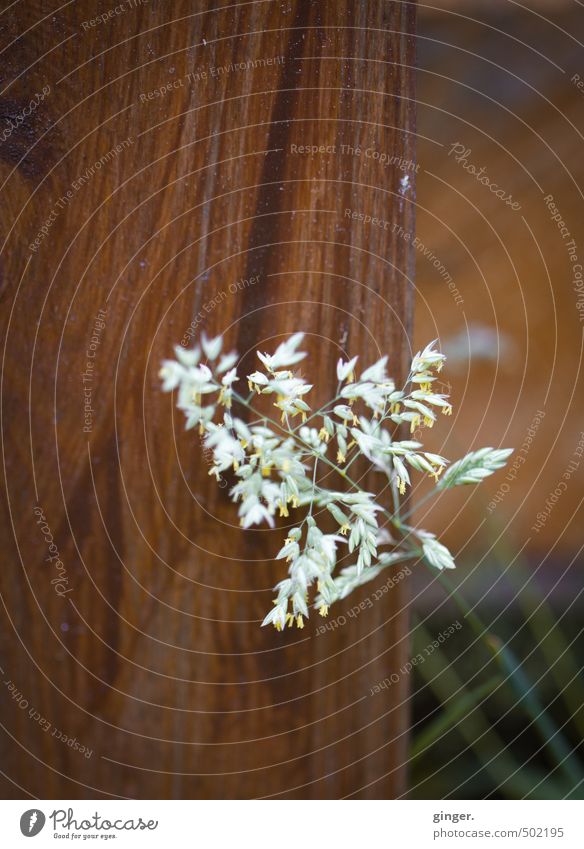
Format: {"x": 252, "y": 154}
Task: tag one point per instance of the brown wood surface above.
{"x": 154, "y": 659}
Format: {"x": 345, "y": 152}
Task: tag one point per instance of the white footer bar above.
{"x": 335, "y": 824}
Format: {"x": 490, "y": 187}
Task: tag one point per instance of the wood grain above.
{"x": 155, "y": 205}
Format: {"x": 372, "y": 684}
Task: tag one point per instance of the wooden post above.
{"x": 215, "y": 167}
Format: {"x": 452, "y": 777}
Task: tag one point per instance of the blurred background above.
{"x": 156, "y": 663}
{"x": 499, "y": 257}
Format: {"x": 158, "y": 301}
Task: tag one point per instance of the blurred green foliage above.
{"x": 500, "y": 714}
